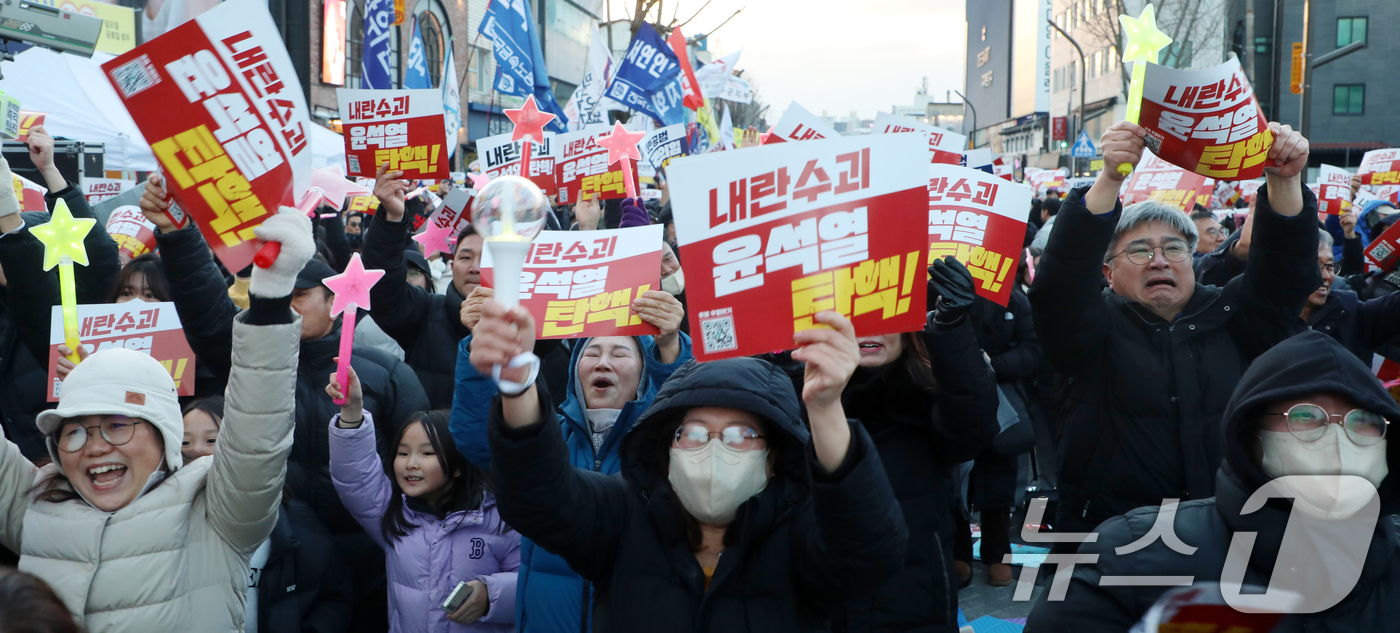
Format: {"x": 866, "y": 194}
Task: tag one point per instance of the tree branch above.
{"x": 697, "y": 13}
{"x": 726, "y": 21}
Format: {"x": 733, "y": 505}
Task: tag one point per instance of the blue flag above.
{"x": 416, "y": 74}
{"x": 379, "y": 23}
{"x": 648, "y": 79}
{"x": 520, "y": 67}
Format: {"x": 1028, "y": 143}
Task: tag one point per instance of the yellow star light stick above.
{"x": 1141, "y": 44}
{"x": 63, "y": 238}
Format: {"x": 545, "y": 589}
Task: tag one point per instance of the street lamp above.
{"x": 971, "y": 138}
{"x": 1082, "y": 88}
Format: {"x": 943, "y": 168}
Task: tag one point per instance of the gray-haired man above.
{"x": 1148, "y": 365}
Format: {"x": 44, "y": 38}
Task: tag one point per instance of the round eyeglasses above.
{"x": 1308, "y": 422}
{"x": 1140, "y": 255}
{"x": 739, "y": 438}
{"x": 116, "y": 430}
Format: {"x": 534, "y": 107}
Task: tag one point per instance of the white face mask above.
{"x": 674, "y": 283}
{"x": 714, "y": 480}
{"x": 1333, "y": 454}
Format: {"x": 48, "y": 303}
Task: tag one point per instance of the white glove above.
{"x": 292, "y": 228}
{"x": 9, "y": 203}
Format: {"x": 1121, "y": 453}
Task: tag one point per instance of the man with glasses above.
{"x": 1212, "y": 234}
{"x": 1148, "y": 366}
{"x": 1363, "y": 327}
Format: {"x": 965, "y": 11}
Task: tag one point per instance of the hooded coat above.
{"x": 551, "y": 596}
{"x": 809, "y": 541}
{"x": 1363, "y": 327}
{"x": 1306, "y": 364}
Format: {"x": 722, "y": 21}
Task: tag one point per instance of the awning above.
{"x": 1024, "y": 127}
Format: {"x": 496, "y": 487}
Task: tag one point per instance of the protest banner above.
{"x": 772, "y": 235}
{"x": 943, "y": 146}
{"x": 219, "y": 101}
{"x": 1380, "y": 167}
{"x": 1206, "y": 121}
{"x": 979, "y": 158}
{"x": 150, "y": 328}
{"x": 1384, "y": 251}
{"x": 580, "y": 284}
{"x": 663, "y": 144}
{"x": 648, "y": 78}
{"x": 28, "y": 120}
{"x": 30, "y": 193}
{"x": 582, "y": 169}
{"x": 134, "y": 234}
{"x": 500, "y": 156}
{"x": 400, "y": 127}
{"x": 798, "y": 124}
{"x": 1043, "y": 180}
{"x": 1156, "y": 179}
{"x": 980, "y": 219}
{"x": 1002, "y": 169}
{"x": 445, "y": 223}
{"x": 98, "y": 189}
{"x": 1334, "y": 190}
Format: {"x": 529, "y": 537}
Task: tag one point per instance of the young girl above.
{"x": 435, "y": 518}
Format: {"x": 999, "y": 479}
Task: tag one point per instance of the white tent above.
{"x": 327, "y": 147}
{"x": 80, "y": 103}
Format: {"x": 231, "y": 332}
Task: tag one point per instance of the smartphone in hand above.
{"x": 455, "y": 599}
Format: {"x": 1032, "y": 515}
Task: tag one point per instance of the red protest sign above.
{"x": 798, "y": 124}
{"x": 446, "y": 223}
{"x": 134, "y": 234}
{"x": 1380, "y": 167}
{"x": 582, "y": 283}
{"x": 500, "y": 156}
{"x": 28, "y": 120}
{"x": 980, "y": 219}
{"x": 582, "y": 169}
{"x": 96, "y": 190}
{"x": 1384, "y": 251}
{"x": 943, "y": 146}
{"x": 399, "y": 127}
{"x": 1156, "y": 179}
{"x": 1334, "y": 190}
{"x": 1206, "y": 121}
{"x": 1043, "y": 180}
{"x": 777, "y": 233}
{"x": 150, "y": 328}
{"x": 218, "y": 99}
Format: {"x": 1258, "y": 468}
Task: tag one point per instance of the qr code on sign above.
{"x": 1154, "y": 144}
{"x": 1382, "y": 251}
{"x": 719, "y": 334}
{"x": 354, "y": 163}
{"x": 135, "y": 76}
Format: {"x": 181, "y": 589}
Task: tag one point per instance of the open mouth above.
{"x": 870, "y": 347}
{"x": 106, "y": 476}
{"x": 1155, "y": 283}
{"x": 601, "y": 382}
{"x": 412, "y": 480}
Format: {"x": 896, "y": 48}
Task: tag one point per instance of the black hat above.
{"x": 417, "y": 260}
{"x": 313, "y": 273}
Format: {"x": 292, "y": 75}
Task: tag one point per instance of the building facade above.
{"x": 1008, "y": 79}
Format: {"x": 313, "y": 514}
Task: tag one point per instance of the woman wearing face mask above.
{"x": 1306, "y": 407}
{"x": 175, "y": 540}
{"x": 729, "y": 515}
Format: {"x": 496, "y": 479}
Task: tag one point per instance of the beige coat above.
{"x": 176, "y": 558}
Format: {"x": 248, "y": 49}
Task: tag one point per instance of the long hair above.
{"x": 464, "y": 479}
{"x": 29, "y": 605}
{"x": 915, "y": 362}
{"x": 152, "y": 272}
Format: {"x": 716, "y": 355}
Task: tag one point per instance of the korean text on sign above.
{"x": 500, "y": 156}
{"x": 1156, "y": 179}
{"x": 1206, "y": 121}
{"x": 798, "y": 124}
{"x": 219, "y": 100}
{"x": 1380, "y": 167}
{"x": 582, "y": 167}
{"x": 403, "y": 128}
{"x": 943, "y": 146}
{"x": 150, "y": 328}
{"x": 775, "y": 234}
{"x": 980, "y": 219}
{"x": 583, "y": 283}
{"x": 1334, "y": 195}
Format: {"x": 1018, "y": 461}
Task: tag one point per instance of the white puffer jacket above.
{"x": 176, "y": 558}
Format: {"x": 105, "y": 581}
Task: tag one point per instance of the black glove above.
{"x": 950, "y": 291}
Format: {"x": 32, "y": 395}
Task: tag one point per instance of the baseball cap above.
{"x": 313, "y": 274}
{"x": 417, "y": 260}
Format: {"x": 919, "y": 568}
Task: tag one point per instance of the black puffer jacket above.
{"x": 1142, "y": 398}
{"x": 920, "y": 436}
{"x": 22, "y": 387}
{"x": 1307, "y": 364}
{"x": 808, "y": 542}
{"x": 305, "y": 586}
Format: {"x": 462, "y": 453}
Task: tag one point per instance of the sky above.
{"x": 835, "y": 55}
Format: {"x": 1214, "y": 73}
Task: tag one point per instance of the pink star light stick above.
{"x": 351, "y": 290}
{"x": 622, "y": 146}
{"x": 529, "y": 125}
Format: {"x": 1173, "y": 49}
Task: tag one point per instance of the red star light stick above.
{"x": 351, "y": 290}
{"x": 529, "y": 125}
{"x": 622, "y": 146}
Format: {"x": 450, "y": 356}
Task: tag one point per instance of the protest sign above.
{"x": 663, "y": 144}
{"x": 582, "y": 169}
{"x": 150, "y": 328}
{"x": 1043, "y": 180}
{"x": 798, "y": 124}
{"x": 219, "y": 101}
{"x": 1156, "y": 179}
{"x": 28, "y": 120}
{"x": 30, "y": 193}
{"x": 445, "y": 223}
{"x": 134, "y": 234}
{"x": 118, "y": 22}
{"x": 979, "y": 158}
{"x": 1380, "y": 167}
{"x": 1384, "y": 251}
{"x": 648, "y": 78}
{"x": 1002, "y": 169}
{"x": 772, "y": 235}
{"x": 400, "y": 127}
{"x": 980, "y": 219}
{"x": 1206, "y": 121}
{"x": 582, "y": 283}
{"x": 98, "y": 189}
{"x": 500, "y": 156}
{"x": 1334, "y": 190}
{"x": 943, "y": 146}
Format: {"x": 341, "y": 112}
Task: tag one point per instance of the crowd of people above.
{"x": 1156, "y": 366}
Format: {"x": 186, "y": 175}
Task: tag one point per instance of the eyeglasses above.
{"x": 1336, "y": 269}
{"x": 1216, "y": 232}
{"x": 1140, "y": 255}
{"x": 739, "y": 438}
{"x": 116, "y": 430}
{"x": 1308, "y": 422}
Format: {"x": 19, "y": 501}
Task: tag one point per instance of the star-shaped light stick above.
{"x": 63, "y": 244}
{"x": 1141, "y": 44}
{"x": 351, "y": 290}
{"x": 529, "y": 125}
{"x": 622, "y": 146}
